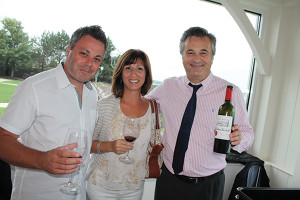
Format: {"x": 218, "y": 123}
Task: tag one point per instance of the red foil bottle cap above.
{"x": 228, "y": 93}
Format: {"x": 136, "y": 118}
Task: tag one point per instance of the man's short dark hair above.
{"x": 94, "y": 31}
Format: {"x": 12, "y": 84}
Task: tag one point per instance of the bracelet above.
{"x": 98, "y": 147}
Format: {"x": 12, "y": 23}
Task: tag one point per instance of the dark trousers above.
{"x": 5, "y": 181}
{"x": 171, "y": 187}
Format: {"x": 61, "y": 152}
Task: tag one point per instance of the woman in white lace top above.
{"x": 108, "y": 178}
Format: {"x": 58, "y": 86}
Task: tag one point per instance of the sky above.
{"x": 153, "y": 26}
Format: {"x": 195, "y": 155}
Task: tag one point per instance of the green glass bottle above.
{"x": 225, "y": 122}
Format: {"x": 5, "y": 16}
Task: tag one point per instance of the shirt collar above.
{"x": 204, "y": 83}
{"x": 62, "y": 79}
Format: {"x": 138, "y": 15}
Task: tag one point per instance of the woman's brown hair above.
{"x": 130, "y": 57}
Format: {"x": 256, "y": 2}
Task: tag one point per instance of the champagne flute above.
{"x": 80, "y": 137}
{"x": 131, "y": 131}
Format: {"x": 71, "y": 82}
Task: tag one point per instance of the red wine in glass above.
{"x": 129, "y": 138}
{"x": 131, "y": 131}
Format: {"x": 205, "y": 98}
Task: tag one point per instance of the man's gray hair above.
{"x": 198, "y": 32}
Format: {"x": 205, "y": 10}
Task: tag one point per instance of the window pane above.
{"x": 153, "y": 26}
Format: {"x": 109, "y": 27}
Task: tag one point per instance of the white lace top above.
{"x": 110, "y": 173}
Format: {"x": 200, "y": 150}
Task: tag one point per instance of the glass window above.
{"x": 153, "y": 26}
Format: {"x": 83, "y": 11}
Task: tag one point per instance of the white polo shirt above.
{"x": 41, "y": 111}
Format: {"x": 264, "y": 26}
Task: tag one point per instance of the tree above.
{"x": 14, "y": 47}
{"x": 50, "y": 48}
{"x": 3, "y": 39}
{"x": 18, "y": 54}
{"x": 105, "y": 75}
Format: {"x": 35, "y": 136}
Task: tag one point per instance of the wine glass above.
{"x": 131, "y": 131}
{"x": 80, "y": 137}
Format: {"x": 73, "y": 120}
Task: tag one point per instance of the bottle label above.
{"x": 223, "y": 128}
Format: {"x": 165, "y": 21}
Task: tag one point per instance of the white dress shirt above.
{"x": 172, "y": 96}
{"x": 41, "y": 111}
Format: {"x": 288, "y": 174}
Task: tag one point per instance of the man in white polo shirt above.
{"x": 43, "y": 108}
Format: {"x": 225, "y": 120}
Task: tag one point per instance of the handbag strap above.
{"x": 154, "y": 108}
{"x": 156, "y": 114}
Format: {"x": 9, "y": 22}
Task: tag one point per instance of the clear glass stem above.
{"x": 127, "y": 154}
{"x": 71, "y": 179}
{"x": 125, "y": 159}
{"x": 72, "y": 176}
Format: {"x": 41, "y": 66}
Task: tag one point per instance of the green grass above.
{"x": 1, "y": 112}
{"x": 6, "y": 92}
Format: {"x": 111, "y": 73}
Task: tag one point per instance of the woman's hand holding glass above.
{"x": 131, "y": 131}
{"x": 121, "y": 146}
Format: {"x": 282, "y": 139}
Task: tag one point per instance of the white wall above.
{"x": 275, "y": 114}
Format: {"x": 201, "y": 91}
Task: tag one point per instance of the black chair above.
{"x": 252, "y": 175}
{"x": 5, "y": 181}
{"x": 265, "y": 193}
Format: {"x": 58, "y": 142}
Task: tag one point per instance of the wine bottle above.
{"x": 225, "y": 122}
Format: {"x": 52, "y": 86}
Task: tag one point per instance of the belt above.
{"x": 194, "y": 180}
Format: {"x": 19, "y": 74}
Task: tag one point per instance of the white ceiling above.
{"x": 270, "y": 2}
